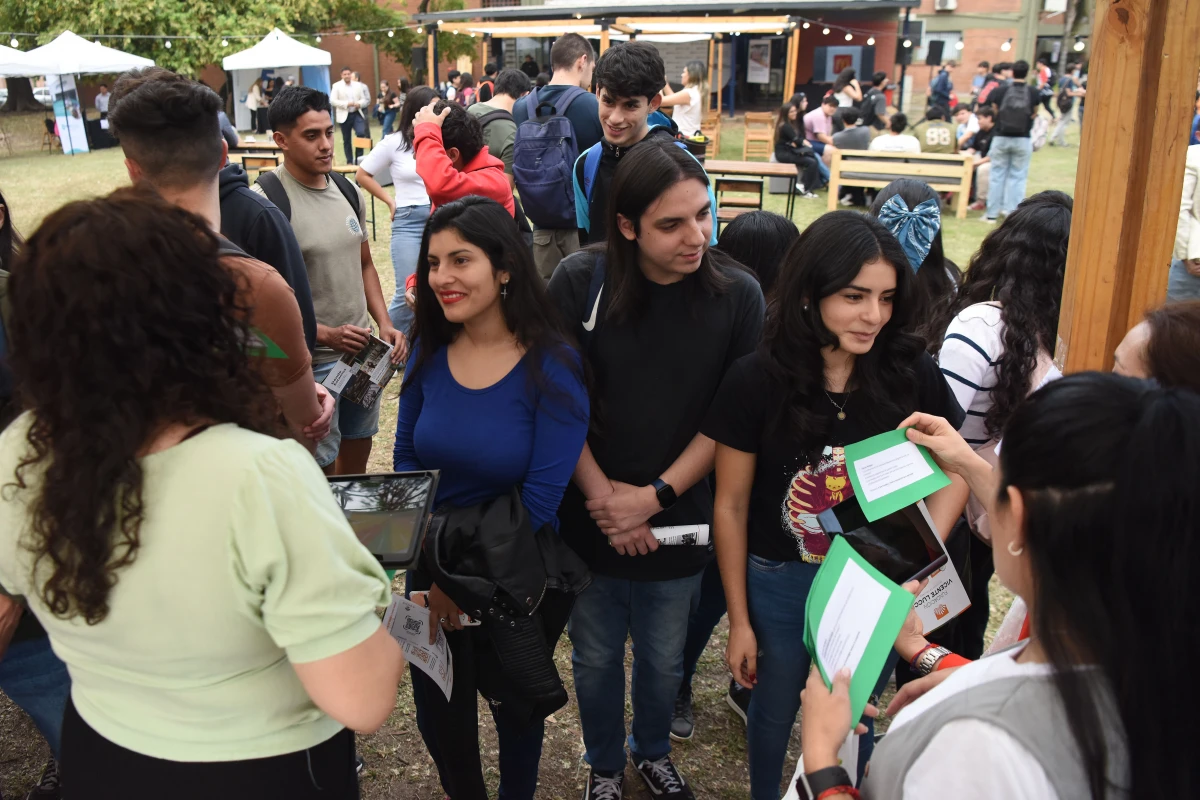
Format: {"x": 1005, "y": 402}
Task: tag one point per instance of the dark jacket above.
{"x": 520, "y": 584}
{"x": 253, "y": 223}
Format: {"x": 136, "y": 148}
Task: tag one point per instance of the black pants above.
{"x": 355, "y": 125}
{"x": 1048, "y": 102}
{"x": 450, "y": 728}
{"x": 93, "y": 768}
{"x": 260, "y": 120}
{"x": 806, "y": 165}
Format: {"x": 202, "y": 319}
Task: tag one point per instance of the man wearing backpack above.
{"x": 1068, "y": 89}
{"x": 874, "y": 104}
{"x": 554, "y": 125}
{"x": 629, "y": 81}
{"x": 327, "y": 215}
{"x": 496, "y": 115}
{"x": 487, "y": 84}
{"x": 939, "y": 91}
{"x": 1011, "y": 149}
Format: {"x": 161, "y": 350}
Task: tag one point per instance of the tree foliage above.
{"x": 214, "y": 19}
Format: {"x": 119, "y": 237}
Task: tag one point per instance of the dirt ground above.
{"x": 399, "y": 768}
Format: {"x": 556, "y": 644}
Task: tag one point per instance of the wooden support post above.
{"x": 1130, "y": 176}
{"x": 712, "y": 77}
{"x": 793, "y": 59}
{"x": 431, "y": 58}
{"x": 720, "y": 71}
{"x": 603, "y": 39}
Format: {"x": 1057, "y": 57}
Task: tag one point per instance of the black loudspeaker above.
{"x": 419, "y": 58}
{"x": 934, "y": 58}
{"x": 903, "y": 54}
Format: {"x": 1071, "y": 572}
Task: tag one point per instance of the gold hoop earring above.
{"x": 1016, "y": 552}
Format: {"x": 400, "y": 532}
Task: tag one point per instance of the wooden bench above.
{"x": 874, "y": 170}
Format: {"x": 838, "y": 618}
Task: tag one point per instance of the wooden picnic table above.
{"x": 244, "y": 146}
{"x": 761, "y": 169}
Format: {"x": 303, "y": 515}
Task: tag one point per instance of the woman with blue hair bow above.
{"x": 911, "y": 210}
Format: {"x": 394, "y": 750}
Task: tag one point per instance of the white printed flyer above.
{"x": 408, "y": 624}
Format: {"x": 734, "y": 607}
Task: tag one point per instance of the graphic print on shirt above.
{"x": 811, "y": 492}
{"x": 352, "y": 224}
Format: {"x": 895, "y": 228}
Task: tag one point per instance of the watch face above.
{"x": 666, "y": 497}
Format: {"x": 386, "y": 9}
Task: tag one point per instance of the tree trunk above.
{"x": 1071, "y": 18}
{"x": 20, "y": 96}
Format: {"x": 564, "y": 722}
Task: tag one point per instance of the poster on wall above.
{"x": 68, "y": 113}
{"x": 759, "y": 70}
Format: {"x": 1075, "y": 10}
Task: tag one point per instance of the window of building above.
{"x": 948, "y": 40}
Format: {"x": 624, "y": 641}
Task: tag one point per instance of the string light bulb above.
{"x": 871, "y": 42}
{"x": 318, "y": 38}
{"x": 14, "y": 42}
{"x": 959, "y": 45}
{"x": 806, "y": 26}
{"x": 908, "y": 42}
{"x": 167, "y": 44}
{"x": 358, "y": 37}
{"x": 391, "y": 34}
{"x": 849, "y": 37}
{"x": 825, "y": 32}
{"x": 1006, "y": 46}
{"x": 224, "y": 43}
{"x": 1079, "y": 45}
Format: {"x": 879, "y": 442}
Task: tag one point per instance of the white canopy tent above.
{"x": 69, "y": 54}
{"x": 12, "y": 61}
{"x": 276, "y": 52}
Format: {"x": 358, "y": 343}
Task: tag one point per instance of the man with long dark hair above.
{"x": 660, "y": 318}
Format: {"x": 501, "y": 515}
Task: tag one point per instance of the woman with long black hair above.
{"x": 409, "y": 208}
{"x": 1096, "y": 483}
{"x": 494, "y": 397}
{"x": 792, "y": 148}
{"x": 911, "y": 210}
{"x": 998, "y": 346}
{"x": 214, "y": 608}
{"x": 838, "y": 363}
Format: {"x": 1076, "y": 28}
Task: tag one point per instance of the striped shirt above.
{"x": 970, "y": 352}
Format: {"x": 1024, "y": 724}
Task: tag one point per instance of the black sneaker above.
{"x": 682, "y": 723}
{"x": 738, "y": 699}
{"x": 603, "y": 786}
{"x": 47, "y": 787}
{"x": 662, "y": 779}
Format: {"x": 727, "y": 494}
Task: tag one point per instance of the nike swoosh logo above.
{"x": 589, "y": 324}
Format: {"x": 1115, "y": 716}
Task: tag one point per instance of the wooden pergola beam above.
{"x": 716, "y": 24}
{"x": 1127, "y": 193}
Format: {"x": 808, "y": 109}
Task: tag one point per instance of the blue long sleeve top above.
{"x": 486, "y": 441}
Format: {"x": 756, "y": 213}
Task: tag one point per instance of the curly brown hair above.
{"x": 124, "y": 322}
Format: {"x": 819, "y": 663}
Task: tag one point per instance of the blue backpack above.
{"x": 544, "y": 153}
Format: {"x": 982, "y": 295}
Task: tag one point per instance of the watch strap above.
{"x": 659, "y": 484}
{"x": 812, "y": 785}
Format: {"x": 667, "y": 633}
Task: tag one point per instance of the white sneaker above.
{"x": 847, "y": 200}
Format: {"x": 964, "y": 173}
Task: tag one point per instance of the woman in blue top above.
{"x": 494, "y": 397}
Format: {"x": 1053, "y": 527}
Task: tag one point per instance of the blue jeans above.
{"x": 655, "y": 614}
{"x": 389, "y": 119}
{"x": 776, "y": 592}
{"x": 350, "y": 421}
{"x": 1181, "y": 284}
{"x": 407, "y": 228}
{"x": 704, "y": 618}
{"x": 1010, "y": 157}
{"x": 33, "y": 678}
{"x": 824, "y": 170}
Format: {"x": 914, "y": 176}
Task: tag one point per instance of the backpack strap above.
{"x": 273, "y": 188}
{"x": 531, "y": 104}
{"x": 592, "y": 307}
{"x": 492, "y": 116}
{"x": 567, "y": 98}
{"x": 348, "y": 191}
{"x": 591, "y": 165}
{"x": 228, "y": 248}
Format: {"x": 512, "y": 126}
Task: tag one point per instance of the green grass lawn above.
{"x": 714, "y": 762}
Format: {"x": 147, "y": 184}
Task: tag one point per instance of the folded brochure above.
{"x": 851, "y": 620}
{"x": 360, "y": 377}
{"x": 408, "y": 623}
{"x": 889, "y": 472}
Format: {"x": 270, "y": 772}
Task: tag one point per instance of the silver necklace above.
{"x": 841, "y": 414}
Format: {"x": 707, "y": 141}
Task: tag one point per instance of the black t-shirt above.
{"x": 996, "y": 98}
{"x": 605, "y": 171}
{"x": 654, "y": 376}
{"x": 788, "y": 492}
{"x": 485, "y": 91}
{"x": 981, "y": 142}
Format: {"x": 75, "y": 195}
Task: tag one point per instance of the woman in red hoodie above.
{"x": 452, "y": 159}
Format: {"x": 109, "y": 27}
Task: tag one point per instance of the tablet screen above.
{"x": 387, "y": 512}
{"x": 901, "y": 545}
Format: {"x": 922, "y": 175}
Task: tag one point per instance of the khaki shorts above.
{"x": 552, "y": 246}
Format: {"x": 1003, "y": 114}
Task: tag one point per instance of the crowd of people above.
{"x": 997, "y": 127}
{"x": 187, "y": 610}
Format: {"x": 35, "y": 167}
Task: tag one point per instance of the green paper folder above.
{"x": 864, "y": 612}
{"x": 890, "y": 460}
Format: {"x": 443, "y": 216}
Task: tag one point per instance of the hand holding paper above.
{"x": 889, "y": 472}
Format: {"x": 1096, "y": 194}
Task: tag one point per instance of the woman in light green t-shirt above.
{"x": 215, "y": 610}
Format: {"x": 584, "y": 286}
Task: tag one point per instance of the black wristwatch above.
{"x": 809, "y": 786}
{"x": 664, "y": 492}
